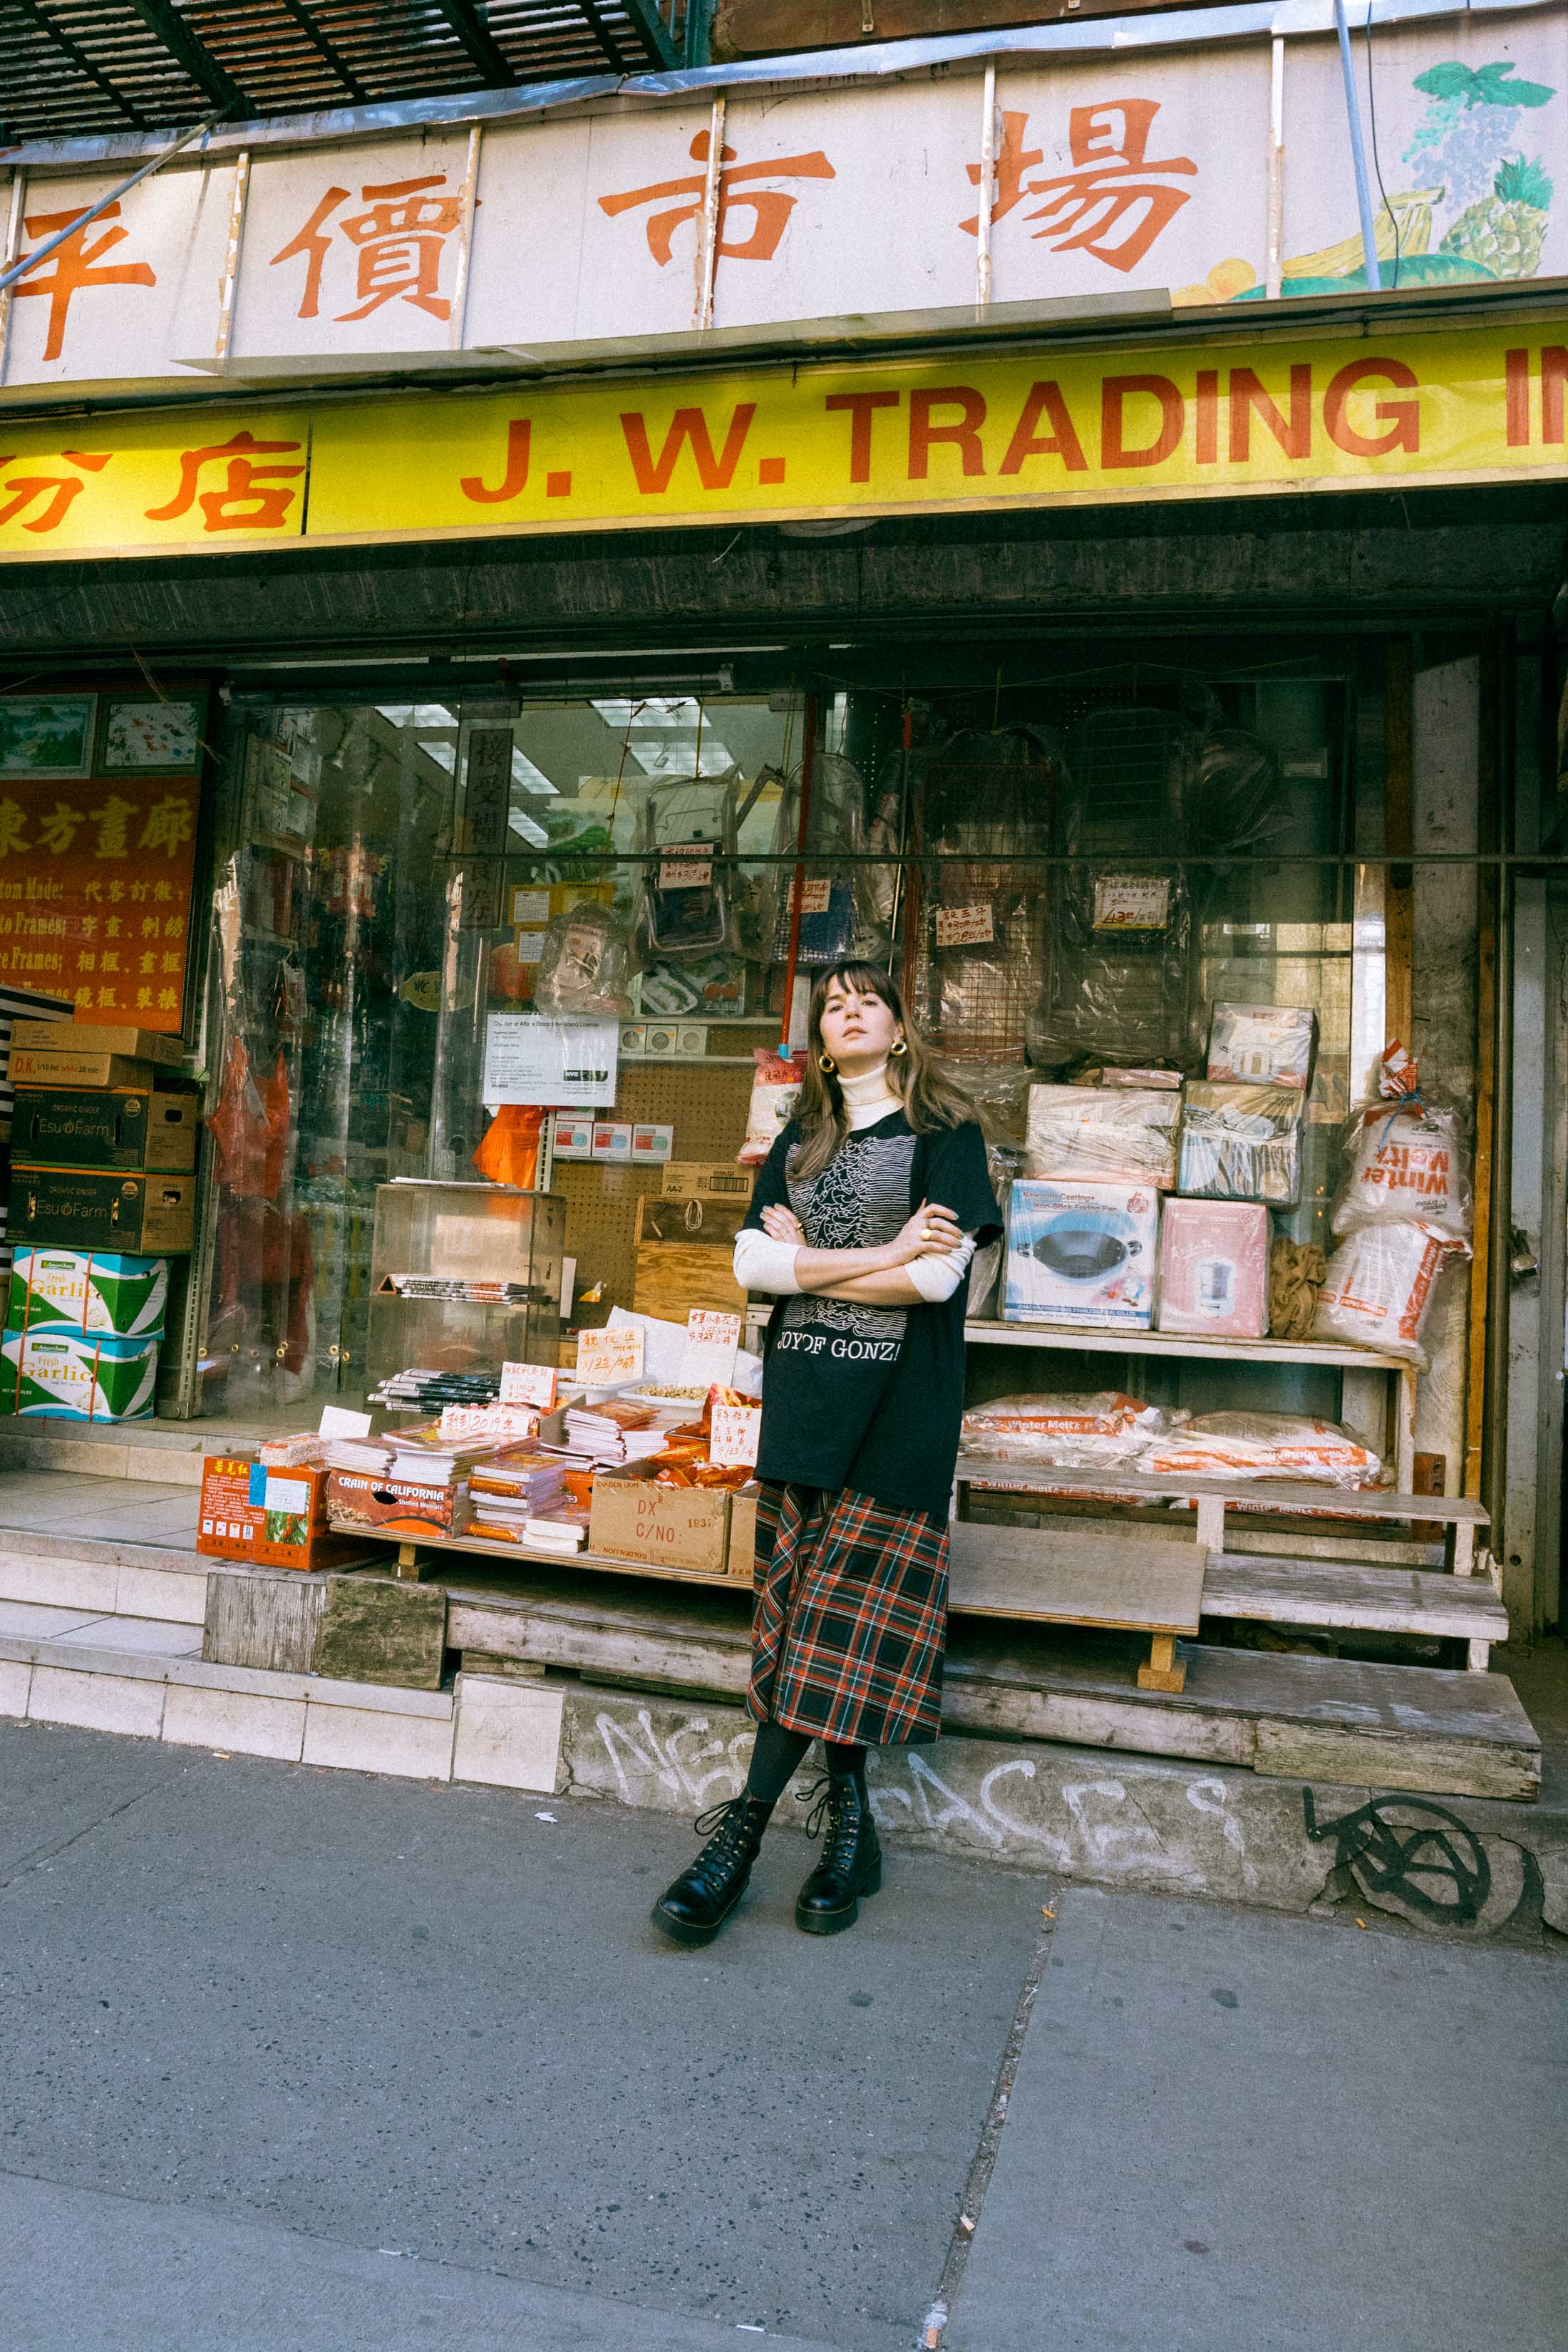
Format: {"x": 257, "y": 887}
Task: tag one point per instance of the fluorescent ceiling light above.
{"x": 532, "y": 780}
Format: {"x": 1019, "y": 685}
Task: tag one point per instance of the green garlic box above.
{"x": 89, "y": 1291}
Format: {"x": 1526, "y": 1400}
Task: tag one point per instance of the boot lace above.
{"x": 723, "y": 1825}
{"x": 830, "y": 1813}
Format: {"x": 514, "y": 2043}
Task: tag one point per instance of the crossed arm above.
{"x": 931, "y": 1240}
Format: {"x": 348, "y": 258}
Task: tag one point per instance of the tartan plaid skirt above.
{"x": 851, "y": 1619}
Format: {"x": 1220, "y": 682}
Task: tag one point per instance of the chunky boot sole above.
{"x": 832, "y": 1923}
{"x": 692, "y": 1931}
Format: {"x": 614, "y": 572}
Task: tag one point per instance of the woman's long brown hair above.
{"x": 929, "y": 1099}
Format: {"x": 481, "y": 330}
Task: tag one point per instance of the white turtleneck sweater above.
{"x": 764, "y": 1264}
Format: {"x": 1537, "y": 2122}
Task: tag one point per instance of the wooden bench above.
{"x": 1052, "y": 1577}
{"x": 1276, "y": 1588}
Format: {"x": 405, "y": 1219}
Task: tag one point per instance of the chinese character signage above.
{"x": 1071, "y": 424}
{"x": 95, "y": 869}
{"x": 1113, "y": 169}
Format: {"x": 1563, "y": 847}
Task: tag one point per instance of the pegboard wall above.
{"x": 706, "y": 1106}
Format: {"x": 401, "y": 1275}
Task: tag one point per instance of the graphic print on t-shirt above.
{"x": 860, "y": 1200}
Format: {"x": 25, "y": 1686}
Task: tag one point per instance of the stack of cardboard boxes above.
{"x": 102, "y": 1196}
{"x": 24, "y": 1004}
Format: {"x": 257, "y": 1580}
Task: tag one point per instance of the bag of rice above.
{"x": 1404, "y": 1159}
{"x": 1262, "y": 1445}
{"x": 775, "y": 1090}
{"x": 1378, "y": 1286}
{"x": 1104, "y": 1428}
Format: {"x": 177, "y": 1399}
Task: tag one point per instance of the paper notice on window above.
{"x": 606, "y": 1358}
{"x": 963, "y": 927}
{"x": 685, "y": 869}
{"x": 529, "y": 907}
{"x": 712, "y": 1343}
{"x": 565, "y": 1065}
{"x": 529, "y": 1384}
{"x": 1131, "y": 902}
{"x": 816, "y": 898}
{"x": 736, "y": 1435}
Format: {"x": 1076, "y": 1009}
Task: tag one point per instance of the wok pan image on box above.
{"x": 1081, "y": 1253}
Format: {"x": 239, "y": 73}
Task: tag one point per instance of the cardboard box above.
{"x": 85, "y": 1037}
{"x": 72, "y": 1376}
{"x": 612, "y": 1140}
{"x": 89, "y": 1291}
{"x": 59, "y": 1127}
{"x": 683, "y": 1528}
{"x": 1213, "y": 1269}
{"x": 273, "y": 1519}
{"x": 652, "y": 1144}
{"x": 573, "y": 1137}
{"x": 395, "y": 1506}
{"x": 742, "y": 1557}
{"x": 1081, "y": 1253}
{"x": 706, "y": 1180}
{"x": 92, "y": 1208}
{"x": 38, "y": 1065}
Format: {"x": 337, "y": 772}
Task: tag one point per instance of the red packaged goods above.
{"x": 1263, "y": 1445}
{"x": 1104, "y": 1427}
{"x": 271, "y": 1517}
{"x": 1213, "y": 1269}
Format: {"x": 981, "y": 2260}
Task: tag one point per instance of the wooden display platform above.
{"x": 409, "y": 1549}
{"x": 1056, "y": 1577}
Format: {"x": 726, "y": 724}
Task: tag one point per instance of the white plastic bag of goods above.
{"x": 1104, "y": 1428}
{"x": 775, "y": 1090}
{"x": 1378, "y": 1286}
{"x": 1262, "y": 1445}
{"x": 1405, "y": 1161}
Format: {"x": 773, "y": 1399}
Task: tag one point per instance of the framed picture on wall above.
{"x": 149, "y": 735}
{"x": 46, "y": 736}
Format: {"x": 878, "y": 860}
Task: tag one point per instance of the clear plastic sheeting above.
{"x": 987, "y": 804}
{"x": 1241, "y": 1143}
{"x": 1263, "y": 1045}
{"x": 687, "y": 833}
{"x": 1118, "y": 1133}
{"x": 1378, "y": 1289}
{"x": 838, "y": 910}
{"x": 584, "y": 965}
{"x": 1103, "y": 1430}
{"x": 1263, "y": 1445}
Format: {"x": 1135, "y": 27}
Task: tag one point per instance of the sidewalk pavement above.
{"x": 298, "y": 2059}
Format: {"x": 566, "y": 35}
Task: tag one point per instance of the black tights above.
{"x": 777, "y": 1753}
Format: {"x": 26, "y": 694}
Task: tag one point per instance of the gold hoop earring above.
{"x": 899, "y": 1048}
{"x": 826, "y": 1065}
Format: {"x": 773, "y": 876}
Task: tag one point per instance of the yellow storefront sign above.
{"x": 1047, "y": 429}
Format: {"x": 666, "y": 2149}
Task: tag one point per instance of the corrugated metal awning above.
{"x": 70, "y": 68}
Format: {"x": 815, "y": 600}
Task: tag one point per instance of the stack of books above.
{"x": 615, "y": 1430}
{"x": 423, "y": 1457}
{"x": 479, "y": 1292}
{"x": 425, "y": 1391}
{"x": 519, "y": 1474}
{"x": 372, "y": 1456}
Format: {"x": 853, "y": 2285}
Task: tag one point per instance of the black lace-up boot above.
{"x": 697, "y": 1904}
{"x": 851, "y": 1863}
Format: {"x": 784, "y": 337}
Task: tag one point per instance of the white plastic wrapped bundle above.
{"x": 1378, "y": 1286}
{"x": 1117, "y": 1133}
{"x": 1404, "y": 1162}
{"x": 1104, "y": 1429}
{"x": 775, "y": 1090}
{"x": 1241, "y": 1143}
{"x": 1263, "y": 1045}
{"x": 1262, "y": 1445}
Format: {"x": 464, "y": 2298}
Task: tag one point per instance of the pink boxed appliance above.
{"x": 1213, "y": 1269}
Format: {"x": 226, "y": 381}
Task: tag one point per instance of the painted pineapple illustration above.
{"x": 1505, "y": 232}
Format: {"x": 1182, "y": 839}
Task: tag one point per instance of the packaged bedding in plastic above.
{"x": 1104, "y": 1429}
{"x": 1112, "y": 1133}
{"x": 1378, "y": 1286}
{"x": 1241, "y": 1143}
{"x": 1262, "y": 1445}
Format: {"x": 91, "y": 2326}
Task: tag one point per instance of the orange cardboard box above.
{"x": 272, "y": 1518}
{"x": 395, "y": 1506}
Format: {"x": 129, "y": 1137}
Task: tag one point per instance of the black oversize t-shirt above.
{"x": 870, "y": 1398}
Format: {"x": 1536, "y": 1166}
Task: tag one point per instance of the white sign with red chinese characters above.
{"x": 736, "y": 1435}
{"x": 529, "y": 1384}
{"x": 815, "y": 898}
{"x": 681, "y": 871}
{"x": 963, "y": 927}
{"x": 712, "y": 1343}
{"x": 607, "y": 1359}
{"x": 497, "y": 1421}
{"x": 1131, "y": 902}
{"x": 1118, "y": 169}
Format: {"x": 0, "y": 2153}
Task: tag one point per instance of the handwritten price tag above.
{"x": 963, "y": 927}
{"x": 1131, "y": 902}
{"x": 816, "y": 898}
{"x": 680, "y": 871}
{"x": 736, "y": 1433}
{"x": 529, "y": 1384}
{"x": 604, "y": 1359}
{"x": 499, "y": 1421}
{"x": 713, "y": 1340}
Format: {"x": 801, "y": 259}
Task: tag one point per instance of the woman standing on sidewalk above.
{"x": 863, "y": 1221}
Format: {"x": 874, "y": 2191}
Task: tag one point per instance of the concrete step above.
{"x": 145, "y": 1678}
{"x": 162, "y": 1452}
